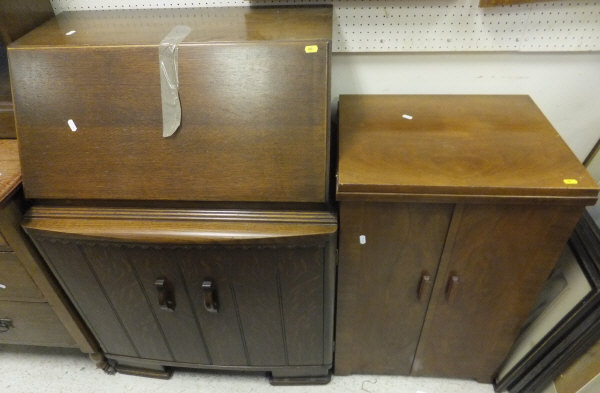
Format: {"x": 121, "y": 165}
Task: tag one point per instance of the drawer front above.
{"x": 31, "y": 324}
{"x": 15, "y": 282}
{"x": 216, "y": 306}
{"x": 254, "y": 123}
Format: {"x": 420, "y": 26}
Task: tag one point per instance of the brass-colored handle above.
{"x": 210, "y": 296}
{"x": 424, "y": 285}
{"x": 5, "y": 325}
{"x": 451, "y": 286}
{"x": 166, "y": 298}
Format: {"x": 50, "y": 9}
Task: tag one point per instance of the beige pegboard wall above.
{"x": 427, "y": 25}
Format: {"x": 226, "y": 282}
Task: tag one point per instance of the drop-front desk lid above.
{"x": 248, "y": 120}
{"x": 454, "y": 148}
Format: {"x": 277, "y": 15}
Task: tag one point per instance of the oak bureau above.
{"x": 178, "y": 164}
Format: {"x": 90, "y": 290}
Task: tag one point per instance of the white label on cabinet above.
{"x": 362, "y": 239}
{"x": 2, "y": 286}
{"x": 72, "y": 125}
{"x": 407, "y": 117}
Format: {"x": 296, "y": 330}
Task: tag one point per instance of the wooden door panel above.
{"x": 501, "y": 256}
{"x": 379, "y": 314}
{"x": 270, "y": 302}
{"x": 180, "y": 327}
{"x": 301, "y": 283}
{"x": 254, "y": 282}
{"x": 221, "y": 330}
{"x": 123, "y": 289}
{"x": 73, "y": 270}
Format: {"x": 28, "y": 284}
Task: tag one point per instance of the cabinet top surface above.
{"x": 454, "y": 147}
{"x": 10, "y": 168}
{"x": 208, "y": 25}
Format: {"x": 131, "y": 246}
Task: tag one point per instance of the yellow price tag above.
{"x": 570, "y": 181}
{"x": 311, "y": 49}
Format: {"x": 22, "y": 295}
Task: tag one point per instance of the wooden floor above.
{"x": 36, "y": 369}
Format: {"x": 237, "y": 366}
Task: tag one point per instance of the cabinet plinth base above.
{"x": 158, "y": 373}
{"x": 282, "y": 378}
{"x": 290, "y": 381}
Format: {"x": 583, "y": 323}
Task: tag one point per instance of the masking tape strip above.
{"x": 169, "y": 78}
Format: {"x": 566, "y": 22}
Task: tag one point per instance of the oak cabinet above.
{"x": 210, "y": 247}
{"x": 451, "y": 219}
{"x": 241, "y": 290}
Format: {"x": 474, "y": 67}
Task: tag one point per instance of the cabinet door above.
{"x": 389, "y": 254}
{"x": 496, "y": 260}
{"x": 269, "y": 302}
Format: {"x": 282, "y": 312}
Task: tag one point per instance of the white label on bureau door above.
{"x": 72, "y": 125}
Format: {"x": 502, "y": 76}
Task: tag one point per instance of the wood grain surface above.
{"x": 16, "y": 282}
{"x": 379, "y": 312}
{"x": 466, "y": 147}
{"x": 214, "y": 265}
{"x": 17, "y": 17}
{"x": 124, "y": 292}
{"x": 273, "y": 297}
{"x": 34, "y": 324}
{"x": 255, "y": 120}
{"x": 7, "y": 117}
{"x": 10, "y": 169}
{"x": 182, "y": 226}
{"x": 180, "y": 329}
{"x": 215, "y": 24}
{"x": 73, "y": 271}
{"x": 473, "y": 189}
{"x": 14, "y": 239}
{"x": 502, "y": 255}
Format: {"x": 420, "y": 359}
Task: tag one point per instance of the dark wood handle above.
{"x": 166, "y": 299}
{"x": 5, "y": 324}
{"x": 210, "y": 296}
{"x": 424, "y": 285}
{"x": 453, "y": 281}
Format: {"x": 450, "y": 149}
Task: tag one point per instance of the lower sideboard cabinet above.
{"x": 440, "y": 289}
{"x": 232, "y": 290}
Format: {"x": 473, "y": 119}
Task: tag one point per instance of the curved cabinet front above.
{"x": 222, "y": 290}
